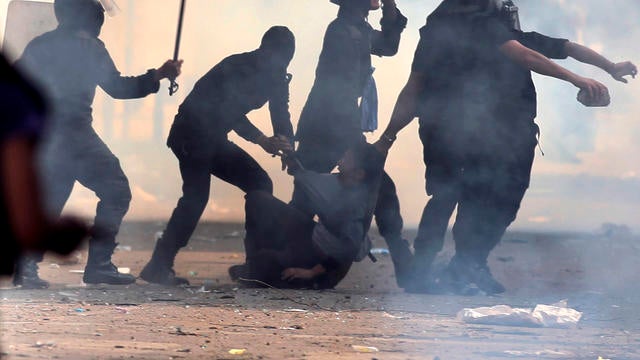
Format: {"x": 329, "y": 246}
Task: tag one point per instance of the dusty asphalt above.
{"x": 596, "y": 273}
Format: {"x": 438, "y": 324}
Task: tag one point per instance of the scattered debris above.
{"x": 123, "y": 247}
{"x": 295, "y": 310}
{"x": 179, "y": 332}
{"x": 44, "y": 344}
{"x": 537, "y": 354}
{"x": 122, "y": 310}
{"x": 294, "y": 327}
{"x": 556, "y": 315}
{"x": 387, "y": 315}
{"x": 365, "y": 349}
{"x": 237, "y": 351}
{"x": 124, "y": 270}
{"x": 208, "y": 285}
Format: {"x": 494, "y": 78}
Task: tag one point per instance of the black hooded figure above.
{"x": 69, "y": 63}
{"x": 218, "y": 104}
{"x": 331, "y": 120}
{"x": 471, "y": 87}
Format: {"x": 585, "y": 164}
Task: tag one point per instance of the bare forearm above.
{"x": 589, "y": 56}
{"x": 536, "y": 62}
{"x": 403, "y": 112}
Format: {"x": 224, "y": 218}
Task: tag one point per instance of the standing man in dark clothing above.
{"x": 331, "y": 120}
{"x": 69, "y": 62}
{"x": 471, "y": 87}
{"x": 218, "y": 104}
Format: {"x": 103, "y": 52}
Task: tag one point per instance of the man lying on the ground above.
{"x": 285, "y": 248}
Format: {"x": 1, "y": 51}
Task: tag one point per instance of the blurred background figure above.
{"x": 24, "y": 227}
{"x": 69, "y": 63}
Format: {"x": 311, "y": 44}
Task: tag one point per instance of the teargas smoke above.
{"x": 111, "y": 7}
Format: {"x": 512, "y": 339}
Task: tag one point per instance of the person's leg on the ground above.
{"x": 99, "y": 170}
{"x": 235, "y": 166}
{"x": 196, "y": 182}
{"x": 389, "y": 221}
{"x": 276, "y": 228}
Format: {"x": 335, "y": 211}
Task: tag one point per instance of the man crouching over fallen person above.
{"x": 285, "y": 248}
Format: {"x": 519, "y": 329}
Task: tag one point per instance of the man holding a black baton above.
{"x": 69, "y": 63}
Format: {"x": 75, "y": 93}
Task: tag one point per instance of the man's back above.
{"x": 235, "y": 86}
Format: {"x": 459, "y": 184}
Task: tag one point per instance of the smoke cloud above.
{"x": 589, "y": 162}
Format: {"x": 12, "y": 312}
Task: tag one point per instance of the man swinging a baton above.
{"x": 72, "y": 150}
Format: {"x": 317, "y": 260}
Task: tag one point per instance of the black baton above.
{"x": 173, "y": 88}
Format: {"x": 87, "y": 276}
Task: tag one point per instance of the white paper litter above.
{"x": 554, "y": 316}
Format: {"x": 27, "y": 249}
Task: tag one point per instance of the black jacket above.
{"x": 69, "y": 67}
{"x": 221, "y": 99}
{"x": 343, "y": 69}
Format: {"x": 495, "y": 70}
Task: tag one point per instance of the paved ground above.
{"x": 596, "y": 273}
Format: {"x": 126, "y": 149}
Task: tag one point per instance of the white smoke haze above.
{"x": 589, "y": 176}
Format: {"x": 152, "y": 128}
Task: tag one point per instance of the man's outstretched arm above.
{"x": 540, "y": 64}
{"x": 404, "y": 111}
{"x": 588, "y": 56}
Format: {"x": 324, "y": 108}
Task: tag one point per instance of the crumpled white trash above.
{"x": 557, "y": 316}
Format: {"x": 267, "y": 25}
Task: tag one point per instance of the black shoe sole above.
{"x": 151, "y": 277}
{"x": 109, "y": 280}
{"x": 32, "y": 286}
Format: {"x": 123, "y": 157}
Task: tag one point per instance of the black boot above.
{"x": 100, "y": 269}
{"x": 159, "y": 270}
{"x": 26, "y": 274}
{"x": 484, "y": 280}
{"x": 467, "y": 270}
{"x": 402, "y": 258}
{"x": 420, "y": 274}
{"x": 237, "y": 272}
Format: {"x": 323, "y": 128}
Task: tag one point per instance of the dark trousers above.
{"x": 443, "y": 178}
{"x": 323, "y": 156}
{"x": 78, "y": 154}
{"x": 492, "y": 190}
{"x": 279, "y": 236}
{"x": 487, "y": 185}
{"x": 229, "y": 163}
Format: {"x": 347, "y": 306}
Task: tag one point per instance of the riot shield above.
{"x": 25, "y": 21}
